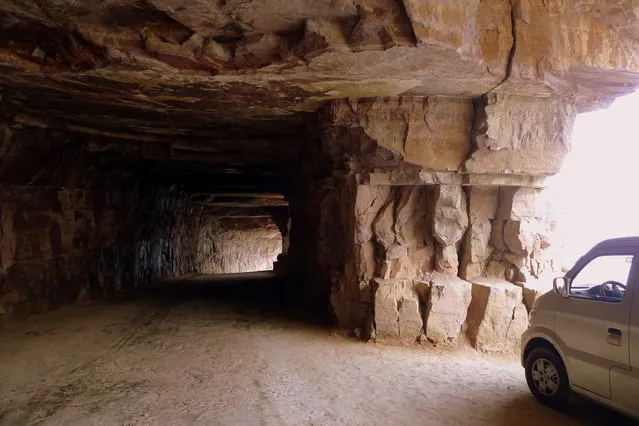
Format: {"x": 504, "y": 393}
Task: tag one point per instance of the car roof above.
{"x": 618, "y": 242}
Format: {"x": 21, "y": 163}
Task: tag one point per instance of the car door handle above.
{"x": 614, "y": 337}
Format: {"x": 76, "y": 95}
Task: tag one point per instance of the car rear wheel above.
{"x": 547, "y": 378}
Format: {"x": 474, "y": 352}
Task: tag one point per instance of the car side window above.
{"x": 603, "y": 278}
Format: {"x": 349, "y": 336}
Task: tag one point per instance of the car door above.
{"x": 625, "y": 382}
{"x": 594, "y": 325}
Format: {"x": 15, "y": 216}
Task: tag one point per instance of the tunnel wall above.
{"x": 72, "y": 228}
{"x": 236, "y": 245}
{"x": 419, "y": 219}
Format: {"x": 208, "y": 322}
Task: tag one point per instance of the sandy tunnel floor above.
{"x": 196, "y": 360}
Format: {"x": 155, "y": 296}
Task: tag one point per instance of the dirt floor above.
{"x": 200, "y": 357}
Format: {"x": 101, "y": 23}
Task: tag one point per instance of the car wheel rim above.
{"x": 545, "y": 377}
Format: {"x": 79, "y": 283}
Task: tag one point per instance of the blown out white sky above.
{"x": 596, "y": 194}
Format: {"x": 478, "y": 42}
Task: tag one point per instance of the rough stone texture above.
{"x": 482, "y": 207}
{"x": 450, "y": 220}
{"x": 406, "y": 232}
{"x": 446, "y": 308}
{"x": 413, "y": 249}
{"x": 521, "y": 234}
{"x": 432, "y": 133}
{"x": 416, "y": 99}
{"x": 323, "y": 247}
{"x": 588, "y": 51}
{"x": 66, "y": 235}
{"x": 233, "y": 245}
{"x": 397, "y": 312}
{"x": 477, "y": 29}
{"x": 496, "y": 316}
{"x": 529, "y": 147}
{"x": 205, "y": 62}
{"x": 201, "y": 61}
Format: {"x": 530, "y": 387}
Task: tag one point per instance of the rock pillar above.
{"x": 429, "y": 221}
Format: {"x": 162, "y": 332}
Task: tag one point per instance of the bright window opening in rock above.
{"x": 593, "y": 196}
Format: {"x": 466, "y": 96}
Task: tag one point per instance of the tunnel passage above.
{"x": 410, "y": 142}
{"x": 227, "y": 246}
{"x": 242, "y": 233}
{"x": 86, "y": 216}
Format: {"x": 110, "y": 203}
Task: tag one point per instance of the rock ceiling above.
{"x": 253, "y": 70}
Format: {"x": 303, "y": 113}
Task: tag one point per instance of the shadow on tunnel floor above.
{"x": 592, "y": 413}
{"x": 578, "y": 411}
{"x": 264, "y": 291}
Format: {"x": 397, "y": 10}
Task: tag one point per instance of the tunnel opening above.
{"x": 237, "y": 245}
{"x": 200, "y": 181}
{"x": 93, "y": 215}
{"x": 399, "y": 166}
{"x": 242, "y": 233}
{"x": 591, "y": 195}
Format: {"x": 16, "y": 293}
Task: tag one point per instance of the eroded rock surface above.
{"x": 446, "y": 308}
{"x": 450, "y": 220}
{"x": 497, "y": 316}
{"x": 397, "y": 312}
{"x": 410, "y": 138}
{"x": 204, "y": 63}
{"x": 233, "y": 245}
{"x": 74, "y": 228}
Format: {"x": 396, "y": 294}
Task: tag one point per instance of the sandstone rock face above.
{"x": 401, "y": 246}
{"x": 450, "y": 221}
{"x": 271, "y": 58}
{"x": 67, "y": 235}
{"x": 496, "y": 316}
{"x": 565, "y": 49}
{"x": 476, "y": 29}
{"x": 446, "y": 309}
{"x": 397, "y": 312}
{"x": 228, "y": 246}
{"x": 432, "y": 133}
{"x": 435, "y": 124}
{"x": 240, "y": 61}
{"x": 483, "y": 202}
{"x": 405, "y": 230}
{"x": 521, "y": 234}
{"x": 528, "y": 147}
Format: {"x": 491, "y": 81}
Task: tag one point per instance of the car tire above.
{"x": 547, "y": 378}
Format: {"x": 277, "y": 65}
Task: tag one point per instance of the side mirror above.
{"x": 561, "y": 285}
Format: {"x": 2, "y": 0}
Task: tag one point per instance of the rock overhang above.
{"x": 222, "y": 96}
{"x": 205, "y": 64}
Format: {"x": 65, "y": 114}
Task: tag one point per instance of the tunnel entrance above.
{"x": 592, "y": 195}
{"x": 375, "y": 165}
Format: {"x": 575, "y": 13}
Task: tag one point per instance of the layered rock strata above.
{"x": 74, "y": 229}
{"x": 438, "y": 242}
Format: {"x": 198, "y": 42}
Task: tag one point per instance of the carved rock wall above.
{"x": 237, "y": 245}
{"x": 71, "y": 229}
{"x": 431, "y": 133}
{"x": 520, "y": 134}
{"x": 207, "y": 62}
{"x": 434, "y": 256}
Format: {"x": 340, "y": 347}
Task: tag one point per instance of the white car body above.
{"x": 596, "y": 338}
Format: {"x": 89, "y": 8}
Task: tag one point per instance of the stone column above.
{"x": 427, "y": 212}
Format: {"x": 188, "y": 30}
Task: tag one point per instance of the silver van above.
{"x": 583, "y": 336}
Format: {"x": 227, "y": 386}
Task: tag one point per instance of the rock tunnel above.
{"x": 386, "y": 158}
